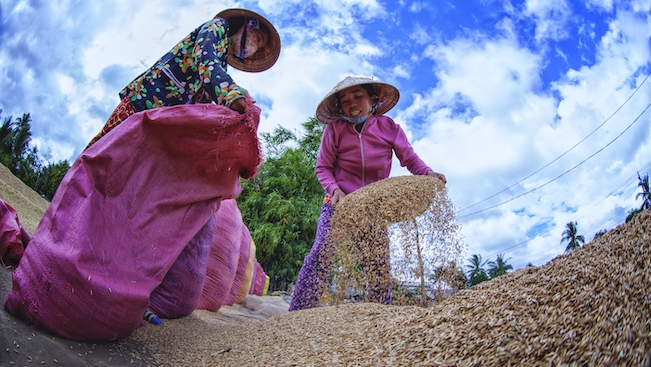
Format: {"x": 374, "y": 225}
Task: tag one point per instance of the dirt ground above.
{"x": 21, "y": 345}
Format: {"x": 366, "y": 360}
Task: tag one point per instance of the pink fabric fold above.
{"x": 127, "y": 208}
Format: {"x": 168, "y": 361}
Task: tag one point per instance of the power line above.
{"x": 616, "y": 221}
{"x": 567, "y": 151}
{"x": 564, "y": 173}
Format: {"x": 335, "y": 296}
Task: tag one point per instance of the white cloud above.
{"x": 417, "y": 6}
{"x": 606, "y": 5}
{"x": 294, "y": 97}
{"x": 493, "y": 75}
{"x": 551, "y": 18}
{"x": 420, "y": 34}
{"x": 401, "y": 71}
{"x": 517, "y": 130}
{"x": 486, "y": 120}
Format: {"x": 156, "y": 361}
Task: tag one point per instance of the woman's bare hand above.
{"x": 437, "y": 175}
{"x": 336, "y": 196}
{"x": 238, "y": 105}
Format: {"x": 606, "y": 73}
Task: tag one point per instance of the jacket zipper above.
{"x": 361, "y": 149}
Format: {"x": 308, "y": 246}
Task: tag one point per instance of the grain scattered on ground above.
{"x": 589, "y": 308}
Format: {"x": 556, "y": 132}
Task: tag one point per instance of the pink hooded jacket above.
{"x": 349, "y": 160}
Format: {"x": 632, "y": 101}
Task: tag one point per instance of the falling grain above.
{"x": 398, "y": 233}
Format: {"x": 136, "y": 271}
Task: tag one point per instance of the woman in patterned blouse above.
{"x": 195, "y": 70}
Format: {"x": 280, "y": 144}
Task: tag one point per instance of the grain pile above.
{"x": 591, "y": 307}
{"x": 29, "y": 205}
{"x": 397, "y": 231}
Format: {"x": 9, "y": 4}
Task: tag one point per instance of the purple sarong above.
{"x": 315, "y": 273}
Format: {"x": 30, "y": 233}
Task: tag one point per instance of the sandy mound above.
{"x": 29, "y": 205}
{"x": 589, "y": 308}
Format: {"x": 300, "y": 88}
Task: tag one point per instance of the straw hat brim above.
{"x": 329, "y": 110}
{"x": 265, "y": 57}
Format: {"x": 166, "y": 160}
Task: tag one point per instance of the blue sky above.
{"x": 534, "y": 110}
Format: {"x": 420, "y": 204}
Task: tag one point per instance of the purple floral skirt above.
{"x": 317, "y": 267}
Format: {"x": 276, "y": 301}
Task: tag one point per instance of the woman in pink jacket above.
{"x": 357, "y": 148}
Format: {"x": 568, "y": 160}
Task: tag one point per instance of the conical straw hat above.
{"x": 329, "y": 110}
{"x": 265, "y": 57}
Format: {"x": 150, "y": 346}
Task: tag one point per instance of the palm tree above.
{"x": 48, "y": 178}
{"x": 476, "y": 273}
{"x": 23, "y": 160}
{"x": 570, "y": 234}
{"x": 499, "y": 266}
{"x": 14, "y": 142}
{"x": 645, "y": 194}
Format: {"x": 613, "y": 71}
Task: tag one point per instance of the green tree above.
{"x": 599, "y": 234}
{"x": 24, "y": 162}
{"x": 499, "y": 267}
{"x": 281, "y": 204}
{"x": 476, "y": 272}
{"x": 571, "y": 235}
{"x": 48, "y": 178}
{"x": 645, "y": 194}
{"x": 14, "y": 144}
{"x": 632, "y": 213}
{"x": 449, "y": 276}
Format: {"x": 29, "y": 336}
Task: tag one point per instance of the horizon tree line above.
{"x": 23, "y": 160}
{"x": 476, "y": 272}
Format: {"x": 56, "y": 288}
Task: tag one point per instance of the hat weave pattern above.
{"x": 265, "y": 57}
{"x": 328, "y": 110}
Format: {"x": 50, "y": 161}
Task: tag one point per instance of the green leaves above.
{"x": 574, "y": 240}
{"x": 282, "y": 203}
{"x": 23, "y": 160}
{"x": 645, "y": 193}
{"x": 476, "y": 272}
{"x": 499, "y": 267}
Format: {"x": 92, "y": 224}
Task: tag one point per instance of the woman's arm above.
{"x": 326, "y": 160}
{"x": 210, "y": 52}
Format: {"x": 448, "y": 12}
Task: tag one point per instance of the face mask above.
{"x": 354, "y": 120}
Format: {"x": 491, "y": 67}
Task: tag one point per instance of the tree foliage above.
{"x": 599, "y": 234}
{"x": 476, "y": 272}
{"x": 571, "y": 235}
{"x": 499, "y": 267}
{"x": 449, "y": 276}
{"x": 281, "y": 204}
{"x": 632, "y": 213}
{"x": 24, "y": 162}
{"x": 645, "y": 193}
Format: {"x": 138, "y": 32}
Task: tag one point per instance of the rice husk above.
{"x": 588, "y": 308}
{"x": 398, "y": 233}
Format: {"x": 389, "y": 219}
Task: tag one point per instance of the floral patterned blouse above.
{"x": 194, "y": 71}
